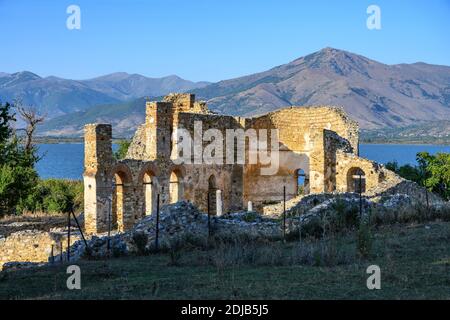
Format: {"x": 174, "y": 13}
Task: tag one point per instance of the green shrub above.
{"x": 250, "y": 216}
{"x": 54, "y": 196}
{"x": 15, "y": 185}
{"x": 314, "y": 228}
{"x": 140, "y": 240}
{"x": 347, "y": 217}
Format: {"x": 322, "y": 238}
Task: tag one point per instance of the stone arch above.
{"x": 120, "y": 212}
{"x": 148, "y": 181}
{"x": 148, "y": 167}
{"x": 176, "y": 187}
{"x": 356, "y": 180}
{"x": 212, "y": 191}
{"x": 150, "y": 191}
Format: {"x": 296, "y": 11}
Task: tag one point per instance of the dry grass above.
{"x": 414, "y": 261}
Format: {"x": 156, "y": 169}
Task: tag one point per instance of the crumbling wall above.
{"x": 228, "y": 177}
{"x": 346, "y": 162}
{"x": 136, "y": 150}
{"x": 320, "y": 141}
{"x": 33, "y": 246}
{"x": 303, "y": 145}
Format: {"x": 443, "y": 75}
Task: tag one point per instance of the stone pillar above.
{"x": 317, "y": 161}
{"x": 158, "y": 130}
{"x": 219, "y": 203}
{"x": 250, "y": 206}
{"x": 98, "y": 161}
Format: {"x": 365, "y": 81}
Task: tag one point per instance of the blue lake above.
{"x": 66, "y": 160}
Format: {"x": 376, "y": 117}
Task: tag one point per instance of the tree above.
{"x": 17, "y": 174}
{"x": 436, "y": 172}
{"x": 407, "y": 171}
{"x": 432, "y": 172}
{"x": 32, "y": 118}
{"x": 5, "y": 119}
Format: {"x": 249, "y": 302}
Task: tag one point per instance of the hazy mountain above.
{"x": 124, "y": 86}
{"x": 55, "y": 96}
{"x": 124, "y": 117}
{"x": 373, "y": 93}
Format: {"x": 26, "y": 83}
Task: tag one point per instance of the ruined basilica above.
{"x": 318, "y": 153}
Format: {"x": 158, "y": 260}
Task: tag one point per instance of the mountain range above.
{"x": 376, "y": 95}
{"x": 56, "y": 96}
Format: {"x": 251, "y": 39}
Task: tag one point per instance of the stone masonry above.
{"x": 318, "y": 153}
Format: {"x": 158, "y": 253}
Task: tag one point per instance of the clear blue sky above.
{"x": 212, "y": 39}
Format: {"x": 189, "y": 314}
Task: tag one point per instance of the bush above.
{"x": 140, "y": 240}
{"x": 347, "y": 217}
{"x": 15, "y": 185}
{"x": 54, "y": 196}
{"x": 250, "y": 216}
{"x": 314, "y": 228}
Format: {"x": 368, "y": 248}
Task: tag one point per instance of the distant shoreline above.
{"x": 52, "y": 140}
{"x": 55, "y": 140}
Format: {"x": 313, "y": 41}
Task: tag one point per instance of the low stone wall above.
{"x": 277, "y": 208}
{"x": 33, "y": 245}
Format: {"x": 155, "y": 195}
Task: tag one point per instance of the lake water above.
{"x": 66, "y": 160}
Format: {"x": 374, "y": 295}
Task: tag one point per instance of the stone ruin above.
{"x": 318, "y": 154}
{"x": 319, "y": 166}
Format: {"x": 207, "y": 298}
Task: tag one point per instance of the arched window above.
{"x": 175, "y": 187}
{"x": 212, "y": 195}
{"x": 356, "y": 180}
{"x": 302, "y": 182}
{"x": 149, "y": 193}
{"x": 119, "y": 196}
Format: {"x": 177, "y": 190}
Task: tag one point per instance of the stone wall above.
{"x": 303, "y": 145}
{"x": 321, "y": 141}
{"x": 34, "y": 246}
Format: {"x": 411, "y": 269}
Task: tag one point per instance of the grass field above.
{"x": 414, "y": 262}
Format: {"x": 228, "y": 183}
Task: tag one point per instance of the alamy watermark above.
{"x": 192, "y": 150}
{"x": 74, "y": 280}
{"x": 374, "y": 280}
{"x": 374, "y": 20}
{"x": 73, "y": 21}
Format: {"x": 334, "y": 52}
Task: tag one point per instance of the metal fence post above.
{"x": 284, "y": 213}
{"x": 209, "y": 216}
{"x": 68, "y": 236}
{"x": 157, "y": 224}
{"x": 360, "y": 196}
{"x": 52, "y": 255}
{"x": 61, "y": 248}
{"x": 108, "y": 246}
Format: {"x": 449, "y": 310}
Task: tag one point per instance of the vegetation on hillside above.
{"x": 430, "y": 132}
